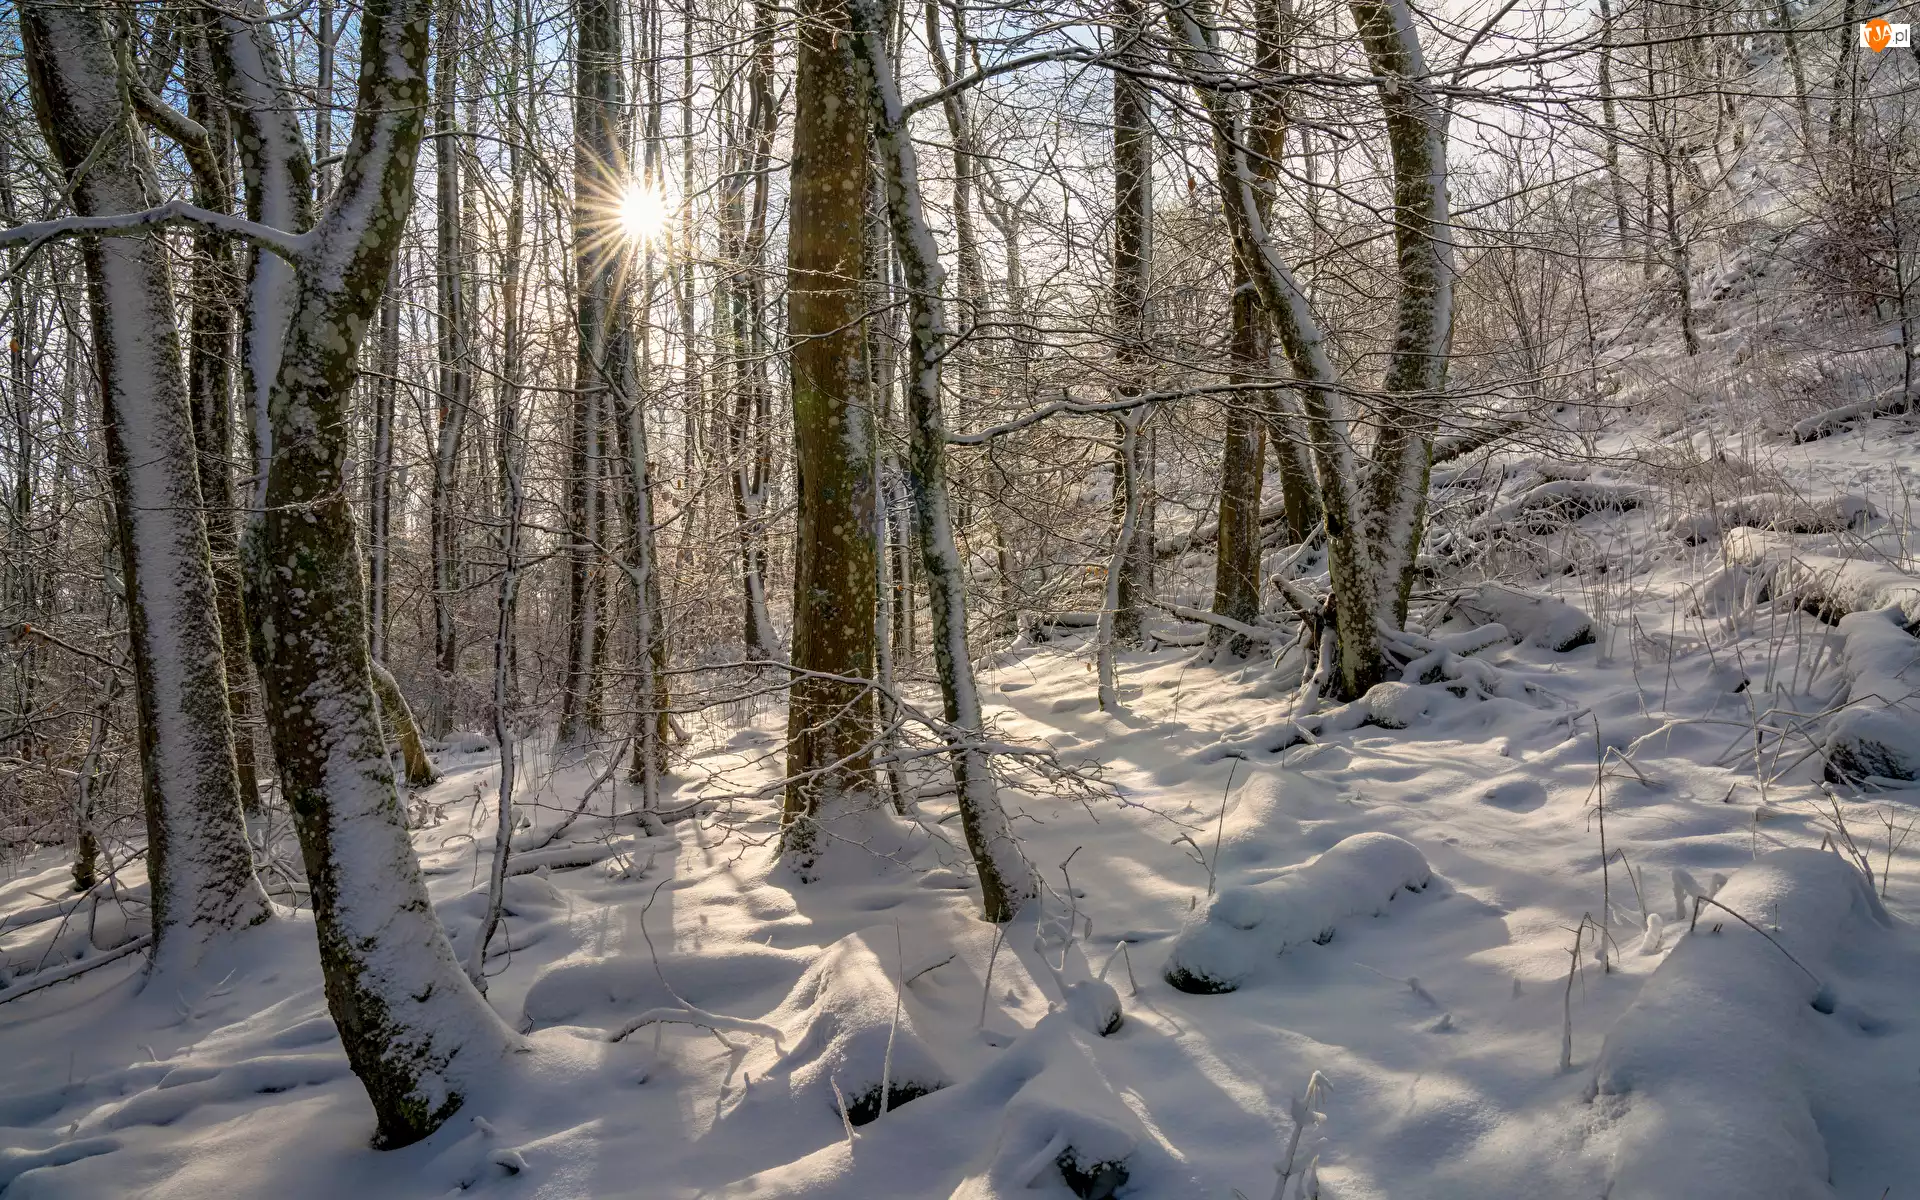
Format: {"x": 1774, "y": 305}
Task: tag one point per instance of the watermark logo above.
{"x": 1881, "y": 34}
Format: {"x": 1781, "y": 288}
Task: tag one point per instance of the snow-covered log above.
{"x": 1535, "y": 620}
{"x": 1764, "y": 566}
{"x": 1245, "y": 925}
{"x": 1878, "y": 732}
{"x": 1547, "y": 506}
{"x": 1833, "y": 420}
{"x": 1701, "y": 1086}
{"x": 1778, "y": 512}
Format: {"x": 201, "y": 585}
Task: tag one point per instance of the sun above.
{"x": 643, "y": 213}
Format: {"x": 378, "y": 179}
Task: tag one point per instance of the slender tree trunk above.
{"x": 455, "y": 391}
{"x": 1680, "y": 262}
{"x": 1236, "y": 576}
{"x": 1127, "y": 501}
{"x": 830, "y": 712}
{"x": 1236, "y": 586}
{"x": 599, "y": 181}
{"x": 197, "y": 856}
{"x": 749, "y": 451}
{"x": 278, "y": 176}
{"x": 1006, "y": 880}
{"x": 509, "y": 456}
{"x": 386, "y": 390}
{"x": 1616, "y": 182}
{"x": 1132, "y": 281}
{"x": 215, "y": 289}
{"x": 396, "y": 712}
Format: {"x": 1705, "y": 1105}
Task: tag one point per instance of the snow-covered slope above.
{"x": 776, "y": 1014}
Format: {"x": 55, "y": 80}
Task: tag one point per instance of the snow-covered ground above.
{"x": 1462, "y": 1047}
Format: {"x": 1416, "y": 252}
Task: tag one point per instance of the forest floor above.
{"x": 1437, "y": 1026}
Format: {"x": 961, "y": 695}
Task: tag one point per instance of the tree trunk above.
{"x": 197, "y": 856}
{"x": 1132, "y": 279}
{"x": 454, "y": 396}
{"x": 1373, "y": 521}
{"x": 395, "y": 710}
{"x": 1006, "y": 880}
{"x": 830, "y": 720}
{"x": 1236, "y": 575}
{"x": 415, "y": 1030}
{"x": 598, "y": 182}
{"x": 215, "y": 290}
{"x": 749, "y": 437}
{"x": 386, "y": 388}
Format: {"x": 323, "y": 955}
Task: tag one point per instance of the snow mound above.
{"x": 847, "y": 1030}
{"x": 1040, "y": 1119}
{"x": 1245, "y": 925}
{"x": 1701, "y": 1082}
{"x": 1878, "y": 733}
{"x": 1064, "y": 1123}
{"x": 721, "y": 978}
{"x": 1529, "y": 618}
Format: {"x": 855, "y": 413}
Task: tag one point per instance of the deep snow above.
{"x": 1437, "y": 1023}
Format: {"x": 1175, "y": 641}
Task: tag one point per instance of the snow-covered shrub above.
{"x": 1247, "y": 924}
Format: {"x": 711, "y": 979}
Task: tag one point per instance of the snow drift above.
{"x": 1701, "y": 1081}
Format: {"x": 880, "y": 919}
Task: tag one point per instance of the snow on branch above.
{"x": 292, "y": 247}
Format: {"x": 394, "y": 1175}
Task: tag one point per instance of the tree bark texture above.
{"x": 197, "y": 855}
{"x": 830, "y": 720}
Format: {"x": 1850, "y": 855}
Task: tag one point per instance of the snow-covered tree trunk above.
{"x": 1395, "y": 483}
{"x": 831, "y": 709}
{"x": 1006, "y": 879}
{"x": 1106, "y": 634}
{"x": 380, "y": 475}
{"x": 197, "y": 856}
{"x": 397, "y": 715}
{"x": 1373, "y": 519}
{"x": 415, "y": 1030}
{"x": 638, "y": 560}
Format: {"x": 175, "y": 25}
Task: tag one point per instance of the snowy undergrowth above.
{"x": 762, "y": 1018}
